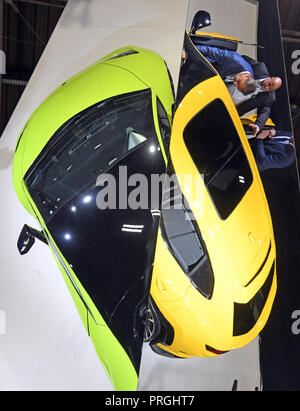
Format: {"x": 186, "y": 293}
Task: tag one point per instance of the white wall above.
{"x": 235, "y": 18}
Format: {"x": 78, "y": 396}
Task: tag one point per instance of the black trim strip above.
{"x": 261, "y": 267}
{"x": 246, "y": 315}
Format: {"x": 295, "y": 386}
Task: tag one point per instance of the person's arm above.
{"x": 230, "y": 61}
{"x": 213, "y": 54}
{"x": 264, "y": 110}
{"x": 262, "y": 116}
{"x": 259, "y": 67}
{"x": 262, "y": 103}
{"x": 283, "y": 133}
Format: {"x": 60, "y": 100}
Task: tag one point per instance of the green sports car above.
{"x": 115, "y": 115}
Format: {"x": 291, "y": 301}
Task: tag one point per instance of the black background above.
{"x": 280, "y": 359}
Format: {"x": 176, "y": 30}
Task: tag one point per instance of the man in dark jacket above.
{"x": 273, "y": 149}
{"x": 264, "y": 99}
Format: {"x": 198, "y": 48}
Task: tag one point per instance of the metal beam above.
{"x": 290, "y": 40}
{"x": 14, "y": 82}
{"x": 18, "y": 12}
{"x": 39, "y": 3}
{"x": 292, "y": 33}
{"x": 290, "y": 36}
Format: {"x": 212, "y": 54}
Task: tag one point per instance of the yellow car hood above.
{"x": 248, "y": 234}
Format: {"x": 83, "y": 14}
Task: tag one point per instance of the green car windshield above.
{"x": 87, "y": 146}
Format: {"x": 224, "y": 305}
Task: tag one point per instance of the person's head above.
{"x": 249, "y": 86}
{"x": 271, "y": 83}
{"x": 242, "y": 80}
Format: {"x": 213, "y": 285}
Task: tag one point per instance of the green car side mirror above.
{"x": 27, "y": 238}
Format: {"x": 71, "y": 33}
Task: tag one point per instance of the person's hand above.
{"x": 184, "y": 56}
{"x": 255, "y": 129}
{"x": 263, "y": 134}
{"x": 266, "y": 134}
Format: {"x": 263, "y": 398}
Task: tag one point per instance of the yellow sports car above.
{"x": 214, "y": 276}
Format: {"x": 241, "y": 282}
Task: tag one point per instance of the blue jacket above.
{"x": 273, "y": 152}
{"x": 226, "y": 62}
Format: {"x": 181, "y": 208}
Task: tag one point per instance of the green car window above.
{"x": 87, "y": 146}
